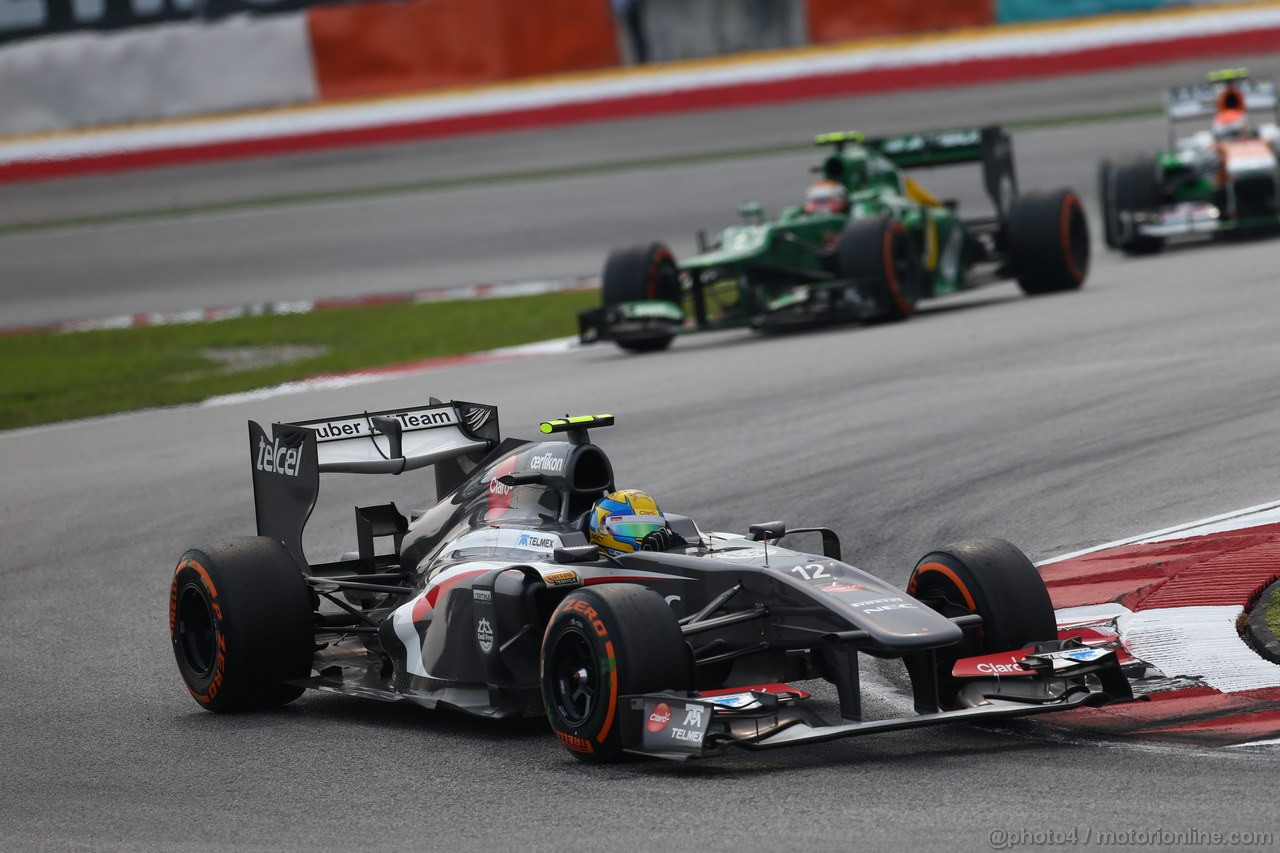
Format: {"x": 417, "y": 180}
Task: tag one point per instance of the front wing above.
{"x": 1191, "y": 218}
{"x": 679, "y": 727}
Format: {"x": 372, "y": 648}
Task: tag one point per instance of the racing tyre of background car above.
{"x": 240, "y": 619}
{"x": 880, "y": 255}
{"x": 994, "y": 579}
{"x": 602, "y": 643}
{"x": 639, "y": 273}
{"x": 1048, "y": 238}
{"x": 1135, "y": 188}
{"x": 1106, "y": 199}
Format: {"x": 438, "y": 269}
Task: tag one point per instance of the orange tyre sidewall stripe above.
{"x": 1070, "y": 204}
{"x": 948, "y": 573}
{"x": 651, "y": 284}
{"x": 613, "y": 693}
{"x": 220, "y": 656}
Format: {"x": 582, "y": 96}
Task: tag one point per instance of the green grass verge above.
{"x": 1273, "y": 616}
{"x": 55, "y": 377}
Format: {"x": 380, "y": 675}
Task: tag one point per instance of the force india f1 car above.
{"x": 1219, "y": 181}
{"x": 492, "y": 602}
{"x": 886, "y": 245}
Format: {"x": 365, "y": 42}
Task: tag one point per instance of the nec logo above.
{"x": 275, "y": 459}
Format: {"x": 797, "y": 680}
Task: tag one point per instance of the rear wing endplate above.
{"x": 454, "y": 437}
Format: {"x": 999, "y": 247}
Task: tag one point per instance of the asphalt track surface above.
{"x": 505, "y": 230}
{"x": 1147, "y": 399}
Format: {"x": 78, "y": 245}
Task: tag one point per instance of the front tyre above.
{"x": 995, "y": 580}
{"x": 644, "y": 273}
{"x": 1048, "y": 239}
{"x": 1136, "y": 188}
{"x": 880, "y": 256}
{"x": 602, "y": 643}
{"x": 240, "y": 621}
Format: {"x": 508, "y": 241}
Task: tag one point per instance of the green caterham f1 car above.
{"x": 868, "y": 243}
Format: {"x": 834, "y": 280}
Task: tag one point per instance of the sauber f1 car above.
{"x": 868, "y": 243}
{"x": 492, "y": 602}
{"x": 1224, "y": 180}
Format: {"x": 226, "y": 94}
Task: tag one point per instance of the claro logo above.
{"x": 276, "y": 459}
{"x": 1001, "y": 669}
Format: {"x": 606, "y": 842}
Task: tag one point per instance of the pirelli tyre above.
{"x": 880, "y": 257}
{"x": 1135, "y": 188}
{"x": 641, "y": 273}
{"x": 1048, "y": 240}
{"x": 240, "y": 620}
{"x": 995, "y": 580}
{"x": 602, "y": 643}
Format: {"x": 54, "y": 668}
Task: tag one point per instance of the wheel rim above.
{"x": 944, "y": 597}
{"x": 197, "y": 636}
{"x": 903, "y": 271}
{"x": 575, "y": 684}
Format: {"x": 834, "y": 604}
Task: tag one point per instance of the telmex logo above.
{"x": 275, "y": 459}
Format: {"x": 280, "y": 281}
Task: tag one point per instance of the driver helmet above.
{"x": 620, "y": 520}
{"x": 826, "y": 197}
{"x": 1229, "y": 124}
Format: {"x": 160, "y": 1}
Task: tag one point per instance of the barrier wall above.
{"x": 155, "y": 72}
{"x": 25, "y": 19}
{"x": 678, "y": 29}
{"x": 376, "y": 48}
{"x": 335, "y": 52}
{"x": 841, "y": 20}
{"x": 1014, "y": 11}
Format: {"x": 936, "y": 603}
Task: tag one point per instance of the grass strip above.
{"x": 83, "y": 374}
{"x": 506, "y": 178}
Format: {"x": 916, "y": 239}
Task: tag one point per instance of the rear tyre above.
{"x": 602, "y": 643}
{"x": 879, "y": 255}
{"x": 994, "y": 579}
{"x": 1048, "y": 238}
{"x": 240, "y": 620}
{"x": 1135, "y": 189}
{"x": 640, "y": 273}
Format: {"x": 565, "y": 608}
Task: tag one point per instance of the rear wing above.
{"x": 1200, "y": 100}
{"x": 989, "y": 146}
{"x": 454, "y": 437}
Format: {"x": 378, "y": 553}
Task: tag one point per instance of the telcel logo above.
{"x": 275, "y": 459}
